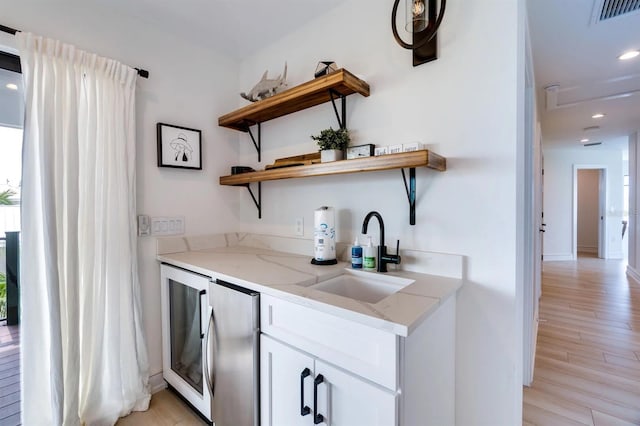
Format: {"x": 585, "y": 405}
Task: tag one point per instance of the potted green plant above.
{"x": 5, "y": 197}
{"x": 332, "y": 144}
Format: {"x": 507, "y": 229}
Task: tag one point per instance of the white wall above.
{"x": 559, "y": 167}
{"x": 588, "y": 210}
{"x": 188, "y": 86}
{"x": 465, "y": 108}
{"x": 634, "y": 206}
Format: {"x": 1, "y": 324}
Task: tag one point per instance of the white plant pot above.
{"x": 329, "y": 155}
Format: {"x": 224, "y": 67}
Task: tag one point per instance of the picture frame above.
{"x": 179, "y": 147}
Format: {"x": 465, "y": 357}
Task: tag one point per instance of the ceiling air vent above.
{"x": 592, "y": 144}
{"x": 607, "y": 9}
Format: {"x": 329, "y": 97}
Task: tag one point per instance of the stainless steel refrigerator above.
{"x": 233, "y": 355}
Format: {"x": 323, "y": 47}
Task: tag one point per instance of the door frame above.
{"x": 532, "y": 219}
{"x": 603, "y": 248}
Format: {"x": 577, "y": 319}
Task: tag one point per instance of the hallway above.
{"x": 587, "y": 369}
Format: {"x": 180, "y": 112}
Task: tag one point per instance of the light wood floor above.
{"x": 166, "y": 409}
{"x": 587, "y": 369}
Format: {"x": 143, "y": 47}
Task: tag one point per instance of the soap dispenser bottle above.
{"x": 356, "y": 255}
{"x": 369, "y": 256}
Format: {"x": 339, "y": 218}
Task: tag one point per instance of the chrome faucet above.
{"x": 383, "y": 256}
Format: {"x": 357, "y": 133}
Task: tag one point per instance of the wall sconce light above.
{"x": 423, "y": 25}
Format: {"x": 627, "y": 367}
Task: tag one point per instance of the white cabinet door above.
{"x": 281, "y": 375}
{"x": 346, "y": 400}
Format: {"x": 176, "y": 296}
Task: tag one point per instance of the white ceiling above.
{"x": 236, "y": 27}
{"x": 581, "y": 57}
{"x": 568, "y": 50}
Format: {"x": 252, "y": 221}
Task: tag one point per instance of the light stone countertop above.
{"x": 288, "y": 276}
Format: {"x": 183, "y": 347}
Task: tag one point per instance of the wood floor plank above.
{"x": 541, "y": 417}
{"x": 550, "y": 403}
{"x": 563, "y": 393}
{"x": 606, "y": 367}
{"x": 165, "y": 409}
{"x": 602, "y": 419}
{"x": 587, "y": 368}
{"x": 622, "y": 361}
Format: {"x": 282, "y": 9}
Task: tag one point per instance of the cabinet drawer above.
{"x": 365, "y": 351}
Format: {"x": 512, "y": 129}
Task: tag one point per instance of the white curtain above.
{"x": 84, "y": 357}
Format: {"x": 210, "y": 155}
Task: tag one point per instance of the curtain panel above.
{"x": 83, "y": 351}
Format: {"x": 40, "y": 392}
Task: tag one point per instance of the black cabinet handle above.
{"x": 304, "y": 410}
{"x": 317, "y": 418}
{"x": 202, "y": 293}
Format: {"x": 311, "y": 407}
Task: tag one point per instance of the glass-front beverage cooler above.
{"x": 185, "y": 318}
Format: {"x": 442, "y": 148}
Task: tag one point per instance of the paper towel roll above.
{"x": 324, "y": 234}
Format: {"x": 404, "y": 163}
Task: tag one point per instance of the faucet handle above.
{"x": 396, "y": 258}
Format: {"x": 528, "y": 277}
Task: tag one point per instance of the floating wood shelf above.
{"x": 410, "y": 160}
{"x": 328, "y": 88}
{"x": 423, "y": 158}
{"x": 315, "y": 92}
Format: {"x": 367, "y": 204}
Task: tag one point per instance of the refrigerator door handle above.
{"x": 208, "y": 373}
{"x": 202, "y": 293}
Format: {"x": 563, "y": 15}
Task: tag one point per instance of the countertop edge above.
{"x": 388, "y": 325}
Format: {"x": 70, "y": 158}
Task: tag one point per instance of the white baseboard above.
{"x": 157, "y": 383}
{"x": 588, "y": 249}
{"x": 558, "y": 257}
{"x": 633, "y": 274}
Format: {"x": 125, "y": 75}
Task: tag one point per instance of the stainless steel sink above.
{"x": 364, "y": 286}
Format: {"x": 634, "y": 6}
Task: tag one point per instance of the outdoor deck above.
{"x": 9, "y": 374}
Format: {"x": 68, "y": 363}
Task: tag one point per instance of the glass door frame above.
{"x": 201, "y": 402}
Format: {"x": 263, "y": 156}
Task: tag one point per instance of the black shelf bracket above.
{"x": 256, "y": 142}
{"x": 411, "y": 193}
{"x": 258, "y": 201}
{"x": 342, "y": 118}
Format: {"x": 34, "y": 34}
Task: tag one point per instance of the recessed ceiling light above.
{"x": 584, "y": 140}
{"x": 629, "y": 55}
{"x": 12, "y": 86}
{"x": 598, "y": 115}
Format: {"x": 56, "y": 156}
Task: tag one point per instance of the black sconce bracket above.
{"x": 424, "y": 44}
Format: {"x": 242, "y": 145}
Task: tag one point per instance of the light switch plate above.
{"x": 167, "y": 225}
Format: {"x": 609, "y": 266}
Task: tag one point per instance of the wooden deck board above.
{"x": 9, "y": 375}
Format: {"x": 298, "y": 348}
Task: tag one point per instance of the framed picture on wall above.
{"x": 179, "y": 147}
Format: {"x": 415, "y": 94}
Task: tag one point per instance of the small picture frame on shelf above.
{"x": 179, "y": 147}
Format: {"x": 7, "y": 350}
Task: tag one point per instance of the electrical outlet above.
{"x": 144, "y": 225}
{"x": 300, "y": 226}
